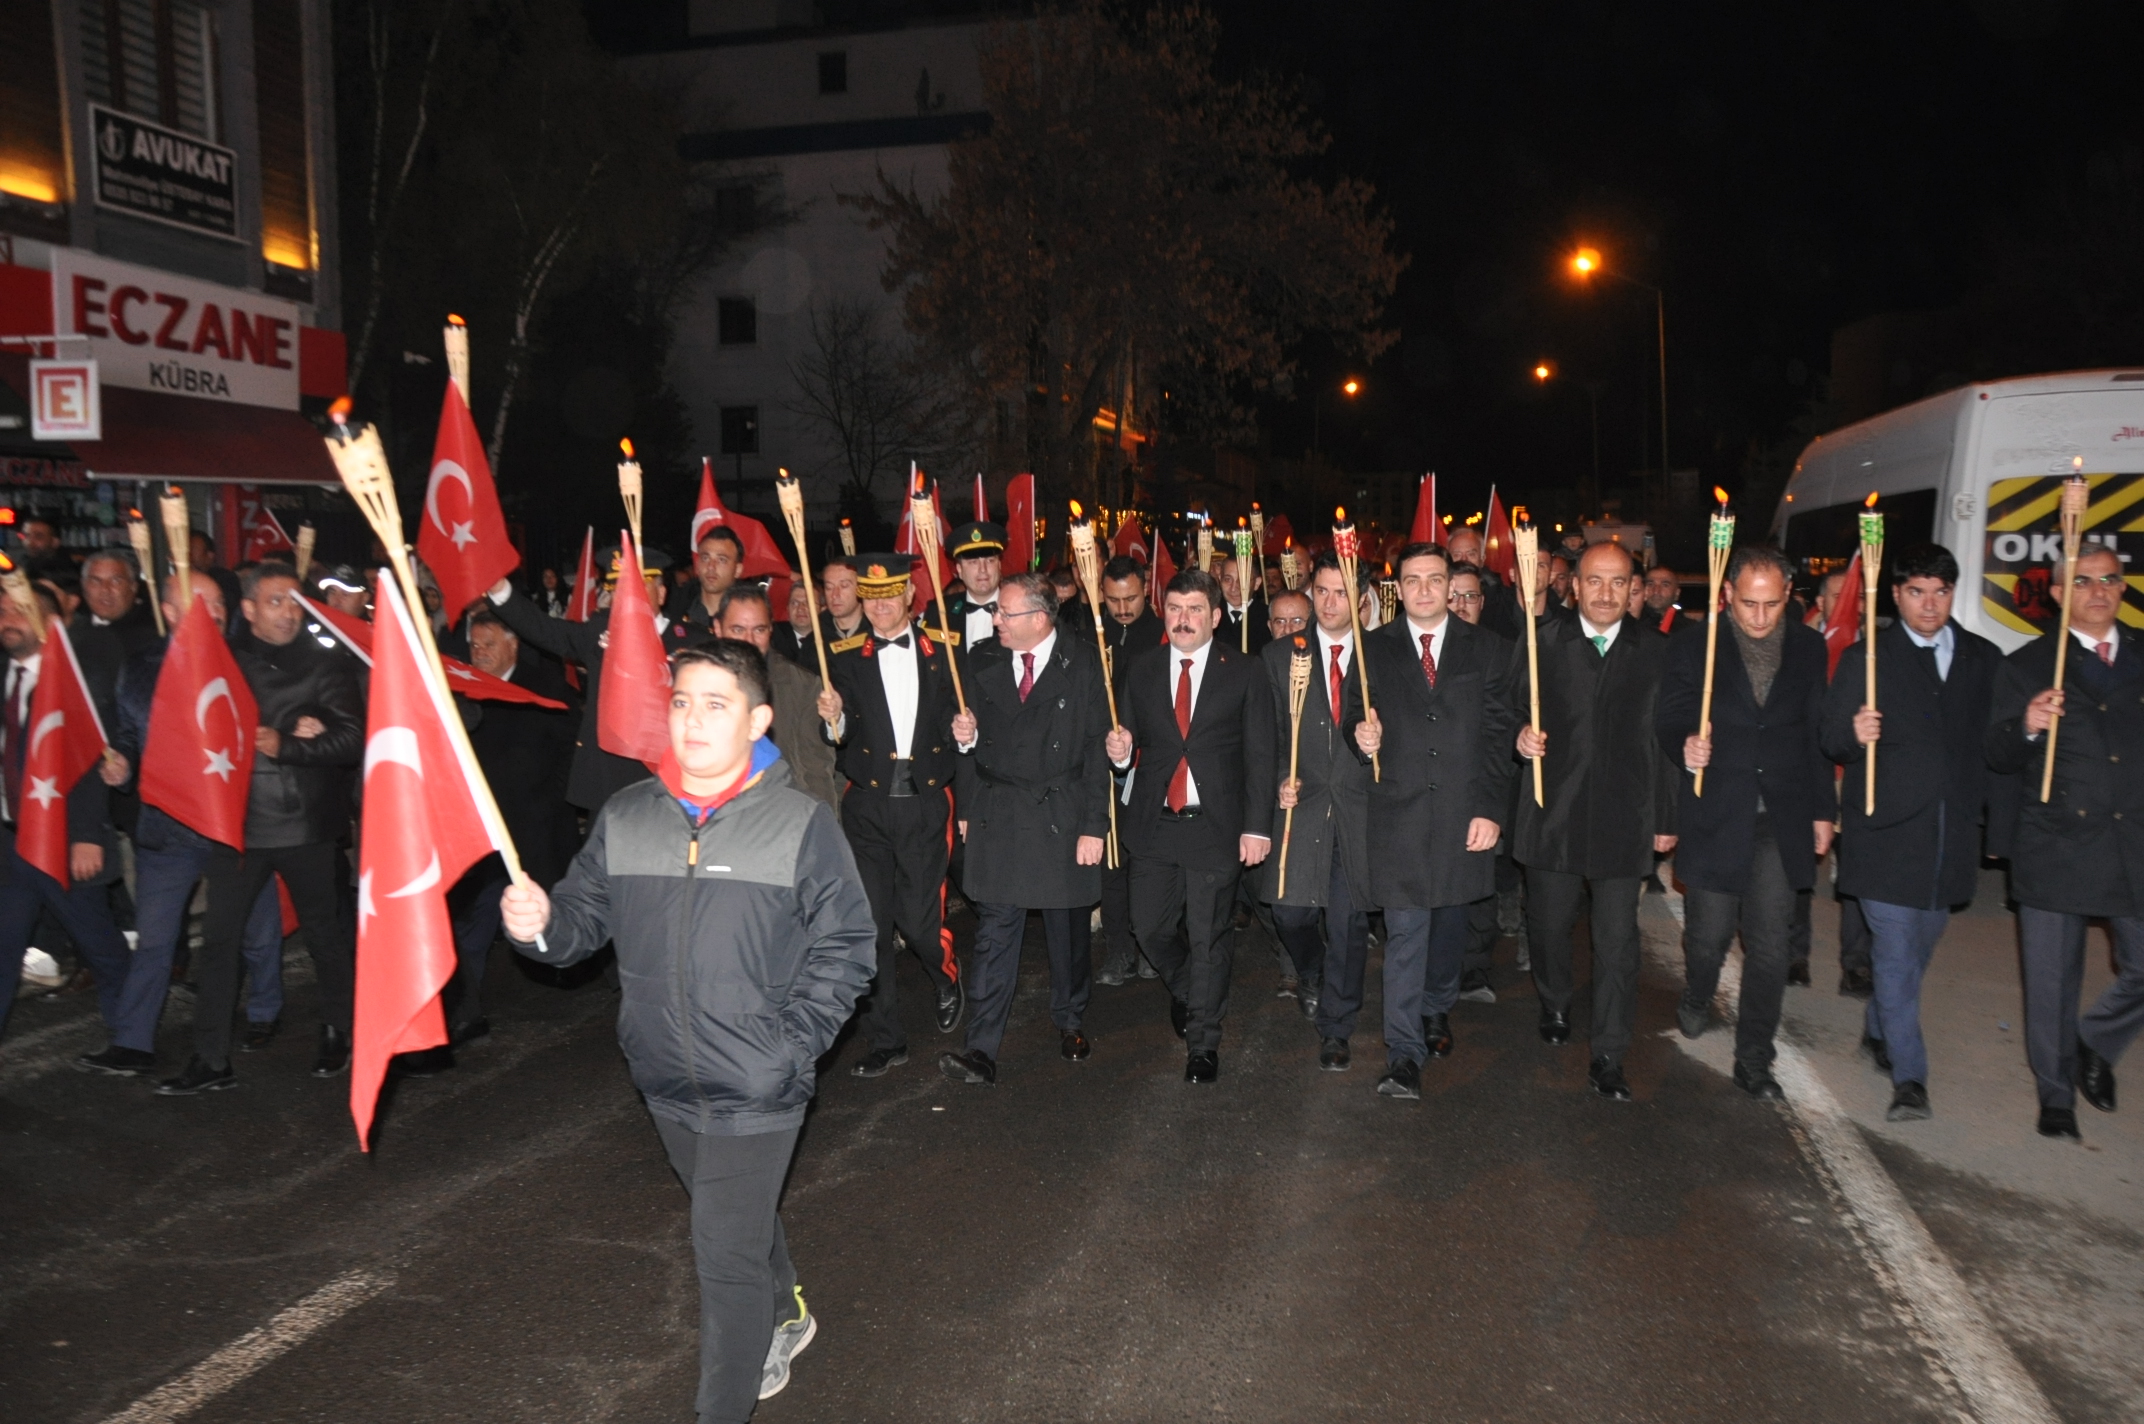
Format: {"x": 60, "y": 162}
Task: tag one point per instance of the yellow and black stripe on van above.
{"x": 2024, "y": 546}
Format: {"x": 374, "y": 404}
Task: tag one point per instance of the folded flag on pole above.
{"x": 1426, "y": 528}
{"x": 197, "y": 766}
{"x": 761, "y": 555}
{"x": 1498, "y": 552}
{"x": 904, "y": 542}
{"x": 582, "y": 605}
{"x": 260, "y": 534}
{"x": 1280, "y": 534}
{"x": 462, "y": 537}
{"x": 1020, "y": 524}
{"x": 355, "y": 634}
{"x": 66, "y": 740}
{"x": 1164, "y": 569}
{"x": 1131, "y": 539}
{"x": 633, "y": 705}
{"x": 1844, "y": 625}
{"x": 422, "y": 831}
{"x": 982, "y": 500}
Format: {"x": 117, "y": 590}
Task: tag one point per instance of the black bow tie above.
{"x": 990, "y": 607}
{"x": 900, "y": 642}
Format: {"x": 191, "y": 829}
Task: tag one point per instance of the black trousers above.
{"x": 1120, "y": 945}
{"x": 474, "y": 905}
{"x": 901, "y": 847}
{"x": 1764, "y": 915}
{"x": 312, "y": 872}
{"x": 1183, "y": 918}
{"x": 2052, "y": 945}
{"x": 1329, "y": 944}
{"x": 1552, "y": 898}
{"x": 1856, "y": 944}
{"x": 747, "y": 1281}
{"x": 994, "y": 970}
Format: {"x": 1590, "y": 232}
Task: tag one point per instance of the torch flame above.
{"x": 627, "y": 447}
{"x": 453, "y": 320}
{"x": 2076, "y": 464}
{"x": 1254, "y": 507}
{"x": 1518, "y": 514}
{"x": 1870, "y": 502}
{"x": 1302, "y": 644}
{"x": 1719, "y": 494}
{"x": 1242, "y": 523}
{"x": 133, "y": 514}
{"x": 7, "y": 564}
{"x": 844, "y": 523}
{"x": 1077, "y": 512}
{"x": 1339, "y": 514}
{"x": 339, "y": 412}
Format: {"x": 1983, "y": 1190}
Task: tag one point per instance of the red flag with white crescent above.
{"x": 66, "y": 741}
{"x": 1131, "y": 539}
{"x": 422, "y": 831}
{"x": 1844, "y": 625}
{"x": 355, "y": 634}
{"x": 633, "y": 704}
{"x": 1161, "y": 571}
{"x": 761, "y": 556}
{"x": 197, "y": 765}
{"x": 260, "y": 534}
{"x": 462, "y": 536}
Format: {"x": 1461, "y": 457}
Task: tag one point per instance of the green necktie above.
{"x": 1600, "y": 643}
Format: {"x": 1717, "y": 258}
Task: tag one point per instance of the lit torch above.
{"x": 1526, "y": 543}
{"x": 145, "y": 556}
{"x": 1347, "y": 548}
{"x": 923, "y": 524}
{"x": 1087, "y": 564}
{"x": 1871, "y": 564}
{"x": 2076, "y": 494}
{"x": 1719, "y": 543}
{"x": 629, "y": 489}
{"x": 456, "y": 337}
{"x": 1243, "y": 578}
{"x": 17, "y": 587}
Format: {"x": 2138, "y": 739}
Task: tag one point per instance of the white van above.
{"x": 1980, "y": 470}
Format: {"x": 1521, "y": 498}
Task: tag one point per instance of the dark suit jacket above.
{"x": 1332, "y": 815}
{"x": 2082, "y": 853}
{"x": 1770, "y": 751}
{"x": 867, "y": 747}
{"x": 597, "y": 774}
{"x": 1922, "y": 847}
{"x": 526, "y": 753}
{"x": 1446, "y": 760}
{"x": 1038, "y": 778}
{"x": 1608, "y": 789}
{"x": 1230, "y": 750}
{"x": 1231, "y": 631}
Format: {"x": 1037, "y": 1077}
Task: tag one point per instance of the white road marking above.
{"x": 1929, "y": 1290}
{"x": 249, "y": 1352}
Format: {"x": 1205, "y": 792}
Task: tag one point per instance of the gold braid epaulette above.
{"x": 849, "y": 644}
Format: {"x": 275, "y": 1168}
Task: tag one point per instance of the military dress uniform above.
{"x": 967, "y": 615}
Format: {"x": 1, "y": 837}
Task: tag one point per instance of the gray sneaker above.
{"x": 789, "y": 1341}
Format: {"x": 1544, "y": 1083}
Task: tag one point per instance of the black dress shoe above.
{"x": 2056, "y": 1122}
{"x": 197, "y": 1077}
{"x": 1402, "y": 1080}
{"x": 1798, "y": 973}
{"x": 2095, "y": 1079}
{"x": 1179, "y": 1016}
{"x": 259, "y": 1035}
{"x": 1202, "y": 1067}
{"x": 1759, "y": 1083}
{"x": 1555, "y": 1027}
{"x": 1437, "y": 1034}
{"x": 1878, "y": 1051}
{"x": 1073, "y": 1047}
{"x": 875, "y": 1063}
{"x": 1857, "y": 983}
{"x": 1608, "y": 1080}
{"x": 424, "y": 1063}
{"x": 470, "y": 1032}
{"x": 1308, "y": 999}
{"x": 333, "y": 1059}
{"x": 1693, "y": 1019}
{"x": 952, "y": 1003}
{"x": 119, "y": 1062}
{"x": 974, "y": 1066}
{"x": 1289, "y": 988}
{"x": 1909, "y": 1103}
{"x": 1333, "y": 1056}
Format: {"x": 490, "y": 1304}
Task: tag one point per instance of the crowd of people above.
{"x": 1159, "y": 773}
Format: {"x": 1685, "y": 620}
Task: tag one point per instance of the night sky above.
{"x": 1780, "y": 169}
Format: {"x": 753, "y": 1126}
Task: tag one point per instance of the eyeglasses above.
{"x": 1287, "y": 625}
{"x": 1466, "y": 598}
{"x": 2102, "y": 580}
{"x": 1003, "y": 612}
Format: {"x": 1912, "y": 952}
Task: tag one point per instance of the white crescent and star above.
{"x": 220, "y": 764}
{"x": 462, "y": 533}
{"x": 46, "y": 725}
{"x": 398, "y": 745}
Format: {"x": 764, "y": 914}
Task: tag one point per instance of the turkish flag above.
{"x": 356, "y": 634}
{"x": 422, "y": 831}
{"x": 1131, "y": 539}
{"x": 66, "y": 740}
{"x": 761, "y": 557}
{"x": 1164, "y": 569}
{"x": 260, "y": 534}
{"x": 462, "y": 537}
{"x": 197, "y": 766}
{"x": 633, "y": 705}
{"x": 1498, "y": 555}
{"x": 1020, "y": 524}
{"x": 1279, "y": 535}
{"x": 583, "y": 601}
{"x": 1844, "y": 625}
{"x": 1426, "y": 528}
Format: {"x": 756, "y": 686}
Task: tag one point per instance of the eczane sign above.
{"x": 153, "y": 331}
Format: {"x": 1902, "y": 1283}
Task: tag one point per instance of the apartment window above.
{"x": 740, "y": 430}
{"x": 736, "y": 321}
{"x": 286, "y": 166}
{"x": 31, "y": 162}
{"x": 154, "y": 58}
{"x": 834, "y": 72}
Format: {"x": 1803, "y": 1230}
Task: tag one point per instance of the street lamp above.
{"x": 1351, "y": 388}
{"x": 1587, "y": 261}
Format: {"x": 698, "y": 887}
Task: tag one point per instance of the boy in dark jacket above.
{"x": 744, "y": 939}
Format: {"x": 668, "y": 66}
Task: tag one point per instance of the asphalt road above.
{"x": 1084, "y": 1242}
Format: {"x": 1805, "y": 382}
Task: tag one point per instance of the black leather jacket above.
{"x": 302, "y": 794}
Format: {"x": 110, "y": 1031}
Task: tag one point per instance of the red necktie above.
{"x": 1180, "y": 783}
{"x": 1027, "y": 675}
{"x": 1429, "y": 659}
{"x": 1336, "y": 684}
{"x": 2106, "y": 655}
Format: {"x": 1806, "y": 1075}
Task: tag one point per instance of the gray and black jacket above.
{"x": 743, "y": 944}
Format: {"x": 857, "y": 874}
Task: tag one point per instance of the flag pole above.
{"x": 790, "y": 492}
{"x": 1298, "y": 686}
{"x": 1087, "y": 564}
{"x": 2076, "y": 493}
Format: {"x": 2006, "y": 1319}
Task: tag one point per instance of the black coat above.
{"x": 597, "y": 774}
{"x": 1931, "y": 770}
{"x": 1770, "y": 750}
{"x": 526, "y": 753}
{"x": 1230, "y": 751}
{"x": 1038, "y": 778}
{"x": 1332, "y": 815}
{"x": 1608, "y": 788}
{"x": 301, "y": 795}
{"x": 1231, "y": 631}
{"x": 1447, "y": 759}
{"x": 2083, "y": 852}
{"x": 867, "y": 748}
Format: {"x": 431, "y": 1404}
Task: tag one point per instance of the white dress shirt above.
{"x": 1438, "y": 637}
{"x": 2085, "y": 640}
{"x": 1608, "y": 632}
{"x": 976, "y": 624}
{"x": 1945, "y": 643}
{"x": 897, "y": 674}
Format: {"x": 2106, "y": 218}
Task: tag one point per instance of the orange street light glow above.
{"x": 1586, "y": 261}
{"x": 1351, "y": 386}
